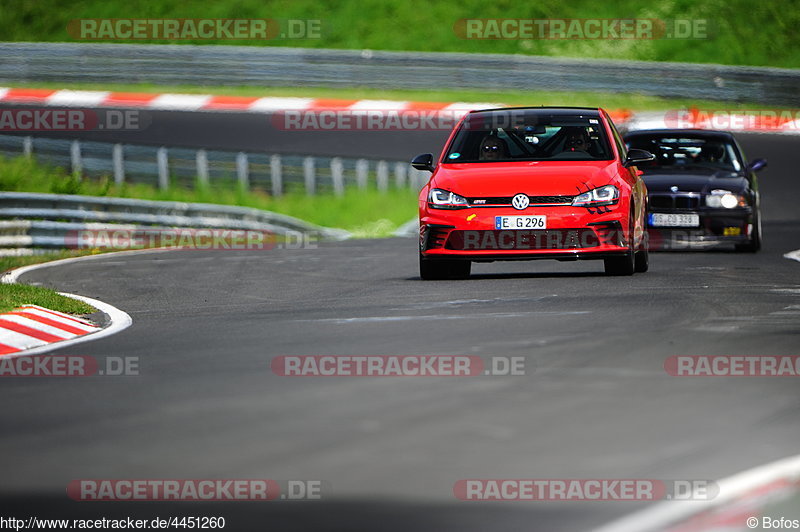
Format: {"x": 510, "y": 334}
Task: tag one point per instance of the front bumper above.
{"x": 717, "y": 227}
{"x": 571, "y": 233}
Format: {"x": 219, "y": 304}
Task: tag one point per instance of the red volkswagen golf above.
{"x": 532, "y": 183}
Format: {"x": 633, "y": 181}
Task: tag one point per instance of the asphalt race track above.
{"x": 595, "y": 401}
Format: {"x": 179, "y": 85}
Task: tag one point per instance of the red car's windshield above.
{"x": 528, "y": 135}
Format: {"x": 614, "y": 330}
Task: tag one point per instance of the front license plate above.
{"x": 520, "y": 222}
{"x": 674, "y": 220}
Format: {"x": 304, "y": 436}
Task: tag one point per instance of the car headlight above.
{"x": 607, "y": 195}
{"x": 444, "y": 199}
{"x": 724, "y": 199}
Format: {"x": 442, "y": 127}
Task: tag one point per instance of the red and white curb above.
{"x": 740, "y": 497}
{"x": 764, "y": 121}
{"x": 32, "y": 330}
{"x": 31, "y": 326}
{"x": 206, "y": 102}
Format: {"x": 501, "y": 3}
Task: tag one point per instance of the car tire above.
{"x": 623, "y": 264}
{"x": 754, "y": 245}
{"x": 437, "y": 270}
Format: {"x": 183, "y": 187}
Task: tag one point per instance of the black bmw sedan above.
{"x": 702, "y": 191}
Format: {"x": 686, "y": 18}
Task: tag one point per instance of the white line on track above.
{"x": 666, "y": 513}
{"x": 378, "y": 319}
{"x": 793, "y": 255}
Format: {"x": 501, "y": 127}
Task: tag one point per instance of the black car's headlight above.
{"x": 725, "y": 199}
{"x": 444, "y": 199}
{"x": 607, "y": 195}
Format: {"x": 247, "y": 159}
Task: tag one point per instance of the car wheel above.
{"x": 624, "y": 264}
{"x": 435, "y": 270}
{"x": 755, "y": 241}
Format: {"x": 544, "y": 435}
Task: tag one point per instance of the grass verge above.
{"x": 16, "y": 295}
{"x": 9, "y": 263}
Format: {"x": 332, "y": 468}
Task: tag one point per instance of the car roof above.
{"x": 700, "y": 133}
{"x": 589, "y": 111}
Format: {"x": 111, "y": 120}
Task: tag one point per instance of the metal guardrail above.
{"x": 36, "y": 222}
{"x": 289, "y": 67}
{"x": 164, "y": 167}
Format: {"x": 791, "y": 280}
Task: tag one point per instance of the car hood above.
{"x": 535, "y": 178}
{"x": 692, "y": 182}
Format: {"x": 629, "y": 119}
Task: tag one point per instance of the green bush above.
{"x": 741, "y": 31}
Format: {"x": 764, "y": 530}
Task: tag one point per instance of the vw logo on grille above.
{"x": 520, "y": 202}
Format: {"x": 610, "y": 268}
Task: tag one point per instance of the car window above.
{"x": 526, "y": 135}
{"x": 688, "y": 152}
{"x": 623, "y": 150}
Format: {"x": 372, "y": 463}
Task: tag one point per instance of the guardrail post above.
{"x": 118, "y": 161}
{"x": 382, "y": 171}
{"x": 276, "y": 175}
{"x": 400, "y": 174}
{"x": 27, "y": 146}
{"x": 309, "y": 175}
{"x": 75, "y": 157}
{"x": 337, "y": 176}
{"x": 362, "y": 173}
{"x": 242, "y": 170}
{"x": 201, "y": 161}
{"x": 163, "y": 168}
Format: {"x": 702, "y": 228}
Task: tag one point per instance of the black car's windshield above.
{"x": 528, "y": 135}
{"x": 693, "y": 153}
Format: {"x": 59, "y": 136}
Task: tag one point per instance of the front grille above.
{"x": 535, "y": 200}
{"x": 674, "y": 201}
{"x": 686, "y": 202}
{"x": 470, "y": 240}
